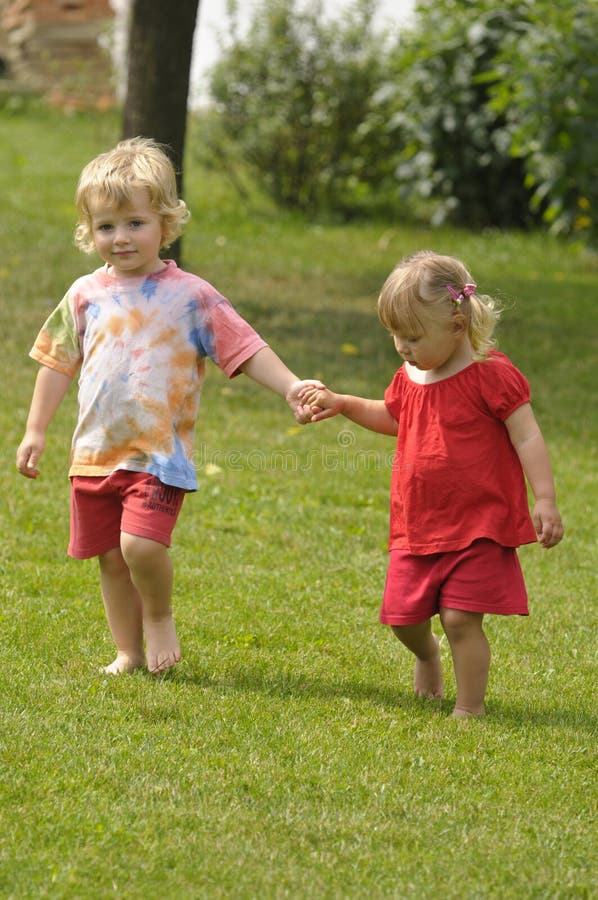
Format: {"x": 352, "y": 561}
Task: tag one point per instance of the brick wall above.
{"x": 53, "y": 46}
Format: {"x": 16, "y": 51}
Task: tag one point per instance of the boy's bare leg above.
{"x": 471, "y": 659}
{"x": 420, "y": 639}
{"x": 123, "y": 612}
{"x": 151, "y": 572}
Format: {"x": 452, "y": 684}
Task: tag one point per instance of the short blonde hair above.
{"x": 113, "y": 176}
{"x": 417, "y": 290}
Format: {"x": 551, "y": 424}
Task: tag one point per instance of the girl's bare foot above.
{"x": 162, "y": 646}
{"x": 427, "y": 680}
{"x": 460, "y": 713}
{"x": 124, "y": 664}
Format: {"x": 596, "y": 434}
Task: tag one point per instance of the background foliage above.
{"x": 481, "y": 113}
{"x": 547, "y": 89}
{"x": 296, "y": 95}
{"x": 451, "y": 147}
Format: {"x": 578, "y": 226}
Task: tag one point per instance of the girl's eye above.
{"x": 136, "y": 223}
{"x": 104, "y": 227}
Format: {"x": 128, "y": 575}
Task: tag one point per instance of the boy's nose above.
{"x": 120, "y": 236}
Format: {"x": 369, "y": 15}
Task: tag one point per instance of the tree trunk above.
{"x": 159, "y": 63}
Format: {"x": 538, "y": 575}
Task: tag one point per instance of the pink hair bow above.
{"x": 459, "y": 297}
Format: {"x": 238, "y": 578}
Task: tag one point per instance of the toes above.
{"x": 163, "y": 664}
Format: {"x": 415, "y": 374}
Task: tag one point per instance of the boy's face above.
{"x": 128, "y": 237}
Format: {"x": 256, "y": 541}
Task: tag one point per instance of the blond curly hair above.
{"x": 112, "y": 177}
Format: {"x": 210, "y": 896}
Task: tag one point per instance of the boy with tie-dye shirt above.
{"x": 138, "y": 331}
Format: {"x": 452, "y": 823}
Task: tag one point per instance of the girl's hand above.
{"x": 548, "y": 524}
{"x": 324, "y": 403}
{"x": 29, "y": 453}
{"x": 295, "y": 398}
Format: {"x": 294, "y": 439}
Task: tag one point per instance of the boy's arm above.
{"x": 267, "y": 369}
{"x": 528, "y": 442}
{"x": 50, "y": 388}
{"x": 372, "y": 414}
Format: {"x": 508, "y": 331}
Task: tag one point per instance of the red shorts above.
{"x": 482, "y": 578}
{"x": 135, "y": 502}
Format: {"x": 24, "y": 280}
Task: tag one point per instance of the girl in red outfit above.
{"x": 466, "y": 436}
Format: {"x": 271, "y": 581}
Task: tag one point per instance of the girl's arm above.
{"x": 267, "y": 369}
{"x": 50, "y": 388}
{"x": 372, "y": 414}
{"x": 528, "y": 442}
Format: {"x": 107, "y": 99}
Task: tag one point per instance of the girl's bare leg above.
{"x": 420, "y": 639}
{"x": 150, "y": 568}
{"x": 471, "y": 659}
{"x": 122, "y": 604}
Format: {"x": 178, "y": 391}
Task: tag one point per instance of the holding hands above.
{"x": 296, "y": 398}
{"x": 321, "y": 402}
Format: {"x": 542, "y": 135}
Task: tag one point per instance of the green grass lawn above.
{"x": 286, "y": 756}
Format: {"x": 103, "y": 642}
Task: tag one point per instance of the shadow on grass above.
{"x": 579, "y": 720}
{"x": 300, "y": 687}
{"x": 285, "y": 686}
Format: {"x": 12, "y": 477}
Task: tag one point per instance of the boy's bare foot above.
{"x": 124, "y": 664}
{"x": 427, "y": 680}
{"x": 162, "y": 646}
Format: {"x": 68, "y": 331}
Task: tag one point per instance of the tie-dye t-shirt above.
{"x": 141, "y": 345}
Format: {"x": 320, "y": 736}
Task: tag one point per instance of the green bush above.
{"x": 547, "y": 90}
{"x": 480, "y": 113}
{"x": 451, "y": 145}
{"x": 296, "y": 96}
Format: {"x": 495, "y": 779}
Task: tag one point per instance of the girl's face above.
{"x": 437, "y": 346}
{"x": 128, "y": 237}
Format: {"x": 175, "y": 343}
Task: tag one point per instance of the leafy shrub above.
{"x": 482, "y": 113}
{"x": 452, "y": 144}
{"x": 296, "y": 95}
{"x": 547, "y": 90}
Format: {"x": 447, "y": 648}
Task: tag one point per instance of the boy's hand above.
{"x": 29, "y": 453}
{"x": 547, "y": 521}
{"x": 323, "y": 403}
{"x": 303, "y": 411}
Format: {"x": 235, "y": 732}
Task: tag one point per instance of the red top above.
{"x": 456, "y": 476}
